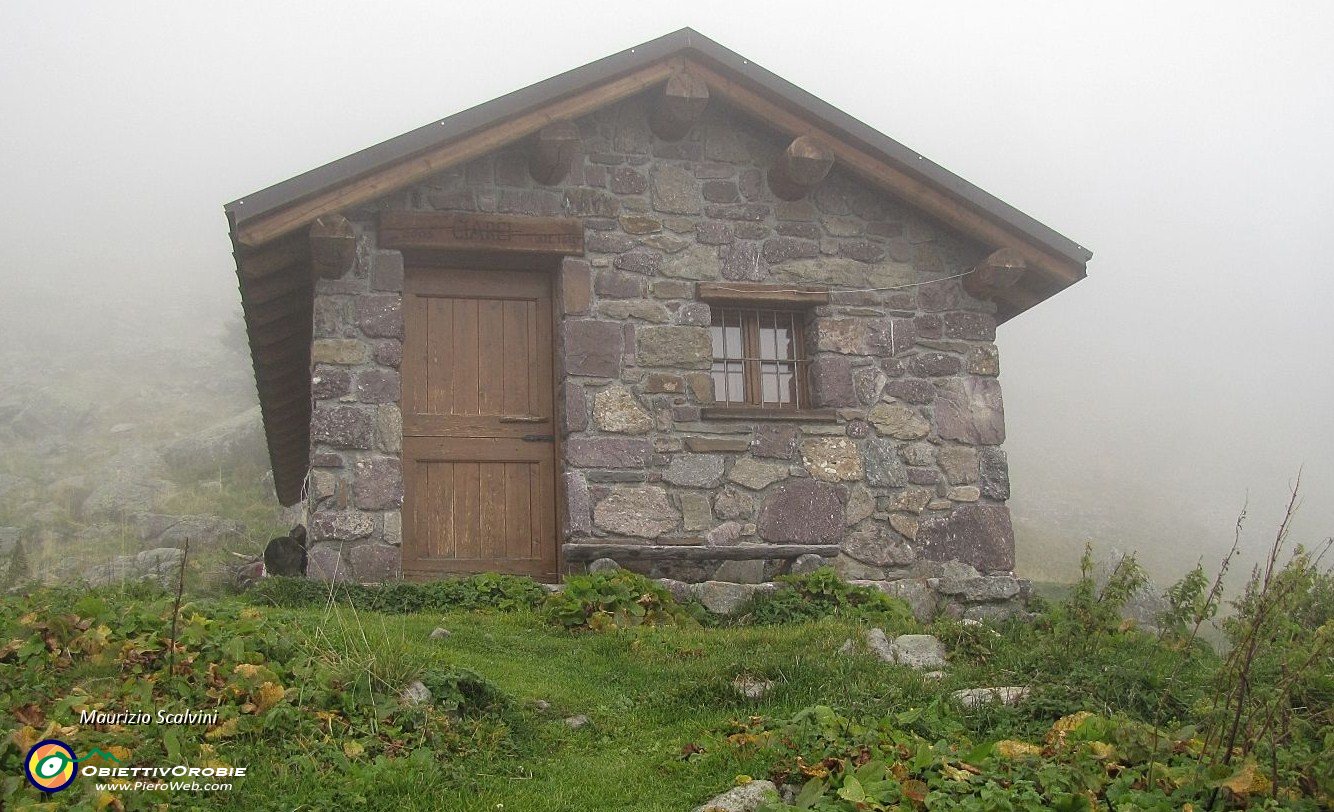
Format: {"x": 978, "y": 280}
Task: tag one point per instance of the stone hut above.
{"x": 665, "y": 309}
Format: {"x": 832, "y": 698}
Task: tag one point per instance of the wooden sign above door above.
{"x": 469, "y": 231}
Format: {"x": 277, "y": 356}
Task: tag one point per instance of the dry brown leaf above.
{"x": 1009, "y": 748}
{"x": 268, "y": 695}
{"x": 221, "y": 731}
{"x": 1248, "y": 780}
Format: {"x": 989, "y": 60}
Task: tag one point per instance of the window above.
{"x": 759, "y": 358}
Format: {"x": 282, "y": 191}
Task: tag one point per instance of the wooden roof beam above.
{"x": 333, "y": 246}
{"x": 802, "y": 166}
{"x": 1000, "y": 271}
{"x": 681, "y": 104}
{"x": 553, "y": 152}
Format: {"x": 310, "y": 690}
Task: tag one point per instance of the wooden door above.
{"x": 478, "y": 429}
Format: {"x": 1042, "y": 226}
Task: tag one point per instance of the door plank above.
{"x": 518, "y": 523}
{"x": 491, "y": 520}
{"x": 517, "y": 358}
{"x": 467, "y": 509}
{"x": 491, "y": 364}
{"x": 463, "y": 358}
{"x": 441, "y": 526}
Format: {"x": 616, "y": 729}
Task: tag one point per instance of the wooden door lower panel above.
{"x": 478, "y": 505}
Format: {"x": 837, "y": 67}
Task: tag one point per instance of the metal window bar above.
{"x": 758, "y": 358}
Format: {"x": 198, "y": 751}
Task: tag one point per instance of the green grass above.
{"x": 647, "y": 692}
{"x": 666, "y": 728}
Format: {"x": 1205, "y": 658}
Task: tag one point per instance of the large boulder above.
{"x": 165, "y": 530}
{"x": 119, "y": 498}
{"x": 919, "y": 596}
{"x": 160, "y": 565}
{"x": 235, "y": 442}
{"x": 9, "y": 539}
{"x": 923, "y": 652}
{"x": 134, "y": 464}
{"x": 45, "y": 416}
{"x": 744, "y": 798}
{"x": 727, "y": 597}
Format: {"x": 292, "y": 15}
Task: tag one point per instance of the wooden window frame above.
{"x": 756, "y": 297}
{"x": 750, "y": 321}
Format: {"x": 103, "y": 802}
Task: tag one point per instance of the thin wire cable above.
{"x": 722, "y": 287}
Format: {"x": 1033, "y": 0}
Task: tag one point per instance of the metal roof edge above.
{"x": 459, "y": 124}
{"x": 403, "y": 147}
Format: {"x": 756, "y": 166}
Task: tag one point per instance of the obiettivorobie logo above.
{"x": 51, "y": 766}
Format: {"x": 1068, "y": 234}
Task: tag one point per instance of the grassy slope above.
{"x": 647, "y": 693}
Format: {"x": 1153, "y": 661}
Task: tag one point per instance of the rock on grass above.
{"x": 924, "y": 652}
{"x": 416, "y": 694}
{"x": 745, "y": 798}
{"x": 973, "y": 697}
{"x": 752, "y": 687}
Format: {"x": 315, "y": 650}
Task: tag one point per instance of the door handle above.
{"x": 539, "y": 438}
{"x": 522, "y": 418}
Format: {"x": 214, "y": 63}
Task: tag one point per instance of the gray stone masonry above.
{"x": 902, "y": 474}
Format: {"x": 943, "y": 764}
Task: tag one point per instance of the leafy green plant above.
{"x": 1097, "y": 610}
{"x": 314, "y": 699}
{"x": 1190, "y": 602}
{"x": 1082, "y": 761}
{"x": 464, "y": 691}
{"x": 1273, "y": 700}
{"x": 823, "y": 593}
{"x": 616, "y": 599}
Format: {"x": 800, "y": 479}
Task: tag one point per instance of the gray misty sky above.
{"x": 1187, "y": 144}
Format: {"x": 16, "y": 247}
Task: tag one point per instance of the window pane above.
{"x": 735, "y": 347}
{"x": 736, "y": 384}
{"x": 726, "y": 334}
{"x": 786, "y": 379}
{"x": 775, "y": 336}
{"x": 783, "y": 343}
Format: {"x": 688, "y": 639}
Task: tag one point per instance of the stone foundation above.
{"x": 924, "y": 596}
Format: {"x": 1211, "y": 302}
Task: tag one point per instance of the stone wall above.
{"x": 355, "y": 487}
{"x": 905, "y": 471}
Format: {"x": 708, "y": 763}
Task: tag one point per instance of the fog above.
{"x": 1188, "y": 147}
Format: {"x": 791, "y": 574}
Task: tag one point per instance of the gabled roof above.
{"x": 272, "y": 252}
